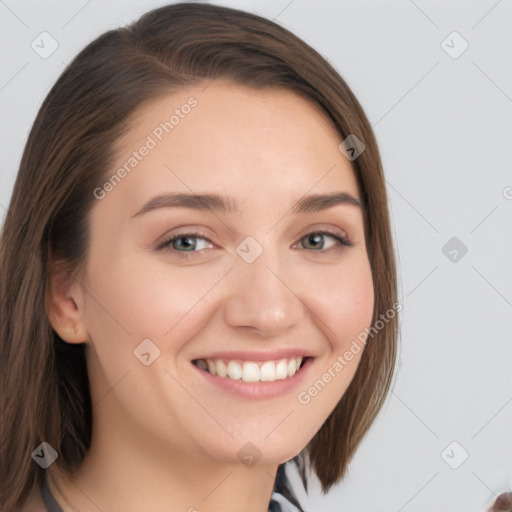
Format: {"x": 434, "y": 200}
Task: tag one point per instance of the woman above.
{"x": 197, "y": 274}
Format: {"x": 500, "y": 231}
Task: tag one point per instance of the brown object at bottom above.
{"x": 503, "y": 503}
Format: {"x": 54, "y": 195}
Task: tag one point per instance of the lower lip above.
{"x": 257, "y": 390}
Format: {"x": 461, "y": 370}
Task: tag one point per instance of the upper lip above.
{"x": 259, "y": 355}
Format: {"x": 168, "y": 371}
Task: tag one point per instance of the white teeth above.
{"x": 292, "y": 367}
{"x": 281, "y": 370}
{"x": 234, "y": 370}
{"x": 251, "y": 371}
{"x": 268, "y": 371}
{"x": 221, "y": 369}
{"x": 211, "y": 367}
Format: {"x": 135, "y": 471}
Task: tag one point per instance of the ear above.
{"x": 65, "y": 306}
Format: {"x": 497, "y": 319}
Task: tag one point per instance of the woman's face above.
{"x": 255, "y": 281}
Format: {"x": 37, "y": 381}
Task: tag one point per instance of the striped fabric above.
{"x": 279, "y": 503}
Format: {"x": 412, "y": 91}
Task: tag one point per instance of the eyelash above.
{"x": 164, "y": 244}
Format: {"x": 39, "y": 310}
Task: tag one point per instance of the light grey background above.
{"x": 444, "y": 128}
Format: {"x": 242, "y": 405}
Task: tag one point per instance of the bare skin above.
{"x": 166, "y": 436}
{"x": 503, "y": 503}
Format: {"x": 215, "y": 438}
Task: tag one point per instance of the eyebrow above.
{"x": 223, "y": 204}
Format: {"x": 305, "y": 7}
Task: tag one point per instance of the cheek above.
{"x": 133, "y": 299}
{"x": 344, "y": 306}
{"x": 343, "y": 300}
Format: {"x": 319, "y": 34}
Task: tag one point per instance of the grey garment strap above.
{"x": 49, "y": 501}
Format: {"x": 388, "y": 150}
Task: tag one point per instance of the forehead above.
{"x": 225, "y": 135}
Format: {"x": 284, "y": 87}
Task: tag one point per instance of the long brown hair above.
{"x": 45, "y": 388}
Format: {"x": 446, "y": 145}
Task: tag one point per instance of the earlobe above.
{"x": 65, "y": 308}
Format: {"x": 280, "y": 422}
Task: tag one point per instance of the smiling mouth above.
{"x": 252, "y": 371}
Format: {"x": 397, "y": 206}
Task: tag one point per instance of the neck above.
{"x": 124, "y": 476}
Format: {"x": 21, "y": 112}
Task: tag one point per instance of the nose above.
{"x": 263, "y": 297}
